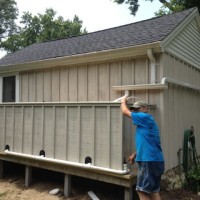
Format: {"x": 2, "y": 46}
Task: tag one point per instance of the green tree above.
{"x": 42, "y": 27}
{"x": 169, "y": 6}
{"x": 176, "y": 6}
{"x": 8, "y": 14}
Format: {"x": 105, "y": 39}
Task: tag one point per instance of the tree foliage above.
{"x": 169, "y": 6}
{"x": 42, "y": 27}
{"x": 173, "y": 6}
{"x": 133, "y": 5}
{"x": 177, "y": 6}
{"x": 8, "y": 14}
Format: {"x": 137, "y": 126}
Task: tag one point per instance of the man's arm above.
{"x": 124, "y": 107}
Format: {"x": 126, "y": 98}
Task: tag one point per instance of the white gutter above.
{"x": 187, "y": 85}
{"x": 153, "y": 66}
{"x": 52, "y": 160}
{"x": 124, "y": 52}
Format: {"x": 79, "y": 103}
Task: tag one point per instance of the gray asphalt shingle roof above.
{"x": 144, "y": 32}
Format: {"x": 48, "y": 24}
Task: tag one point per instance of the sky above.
{"x": 95, "y": 14}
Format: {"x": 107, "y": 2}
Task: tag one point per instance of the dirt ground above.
{"x": 12, "y": 187}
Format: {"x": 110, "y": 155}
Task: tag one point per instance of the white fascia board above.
{"x": 113, "y": 54}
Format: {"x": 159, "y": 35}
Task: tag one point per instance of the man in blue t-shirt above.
{"x": 148, "y": 155}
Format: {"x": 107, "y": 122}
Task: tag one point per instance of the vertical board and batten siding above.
{"x": 180, "y": 71}
{"x": 180, "y": 108}
{"x": 74, "y": 132}
{"x": 92, "y": 82}
{"x": 181, "y": 111}
{"x": 68, "y": 131}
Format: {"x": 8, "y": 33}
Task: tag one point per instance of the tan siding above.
{"x": 73, "y": 85}
{"x": 154, "y": 98}
{"x": 82, "y": 83}
{"x": 87, "y": 133}
{"x": 141, "y": 71}
{"x": 55, "y": 85}
{"x": 93, "y": 83}
{"x": 49, "y": 131}
{"x": 18, "y": 112}
{"x": 103, "y": 71}
{"x": 116, "y": 138}
{"x": 66, "y": 131}
{"x": 181, "y": 112}
{"x": 60, "y": 133}
{"x": 195, "y": 77}
{"x": 129, "y": 139}
{"x": 31, "y": 87}
{"x": 39, "y": 86}
{"x": 64, "y": 85}
{"x": 158, "y": 58}
{"x": 27, "y": 130}
{"x": 47, "y": 85}
{"x": 115, "y": 79}
{"x": 186, "y": 45}
{"x": 24, "y": 87}
{"x": 171, "y": 131}
{"x": 37, "y": 131}
{"x": 181, "y": 71}
{"x": 73, "y": 142}
{"x": 102, "y": 141}
{"x": 9, "y": 122}
{"x": 141, "y": 76}
{"x": 127, "y": 73}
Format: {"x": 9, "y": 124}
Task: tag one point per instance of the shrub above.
{"x": 193, "y": 179}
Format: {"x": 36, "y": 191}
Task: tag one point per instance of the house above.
{"x": 58, "y": 96}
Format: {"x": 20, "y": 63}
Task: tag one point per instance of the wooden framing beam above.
{"x": 140, "y": 87}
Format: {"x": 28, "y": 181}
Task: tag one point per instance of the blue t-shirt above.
{"x": 148, "y": 146}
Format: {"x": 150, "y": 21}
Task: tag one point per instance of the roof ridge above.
{"x": 117, "y": 27}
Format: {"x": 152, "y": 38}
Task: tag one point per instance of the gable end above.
{"x": 186, "y": 43}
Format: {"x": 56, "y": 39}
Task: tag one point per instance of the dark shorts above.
{"x": 149, "y": 176}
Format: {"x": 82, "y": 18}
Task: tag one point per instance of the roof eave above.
{"x": 112, "y": 54}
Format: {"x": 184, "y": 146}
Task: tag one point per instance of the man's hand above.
{"x": 131, "y": 158}
{"x": 124, "y": 99}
